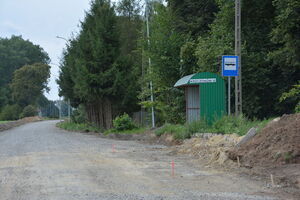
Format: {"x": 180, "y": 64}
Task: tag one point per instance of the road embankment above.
{"x": 12, "y": 124}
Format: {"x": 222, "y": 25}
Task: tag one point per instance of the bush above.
{"x": 29, "y": 111}
{"x": 123, "y": 122}
{"x": 79, "y": 115}
{"x": 10, "y": 112}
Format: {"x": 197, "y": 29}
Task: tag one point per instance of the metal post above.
{"x": 59, "y": 109}
{"x": 69, "y": 110}
{"x": 151, "y": 84}
{"x": 229, "y": 106}
{"x": 238, "y": 79}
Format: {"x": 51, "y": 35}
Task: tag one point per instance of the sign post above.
{"x": 229, "y": 92}
{"x": 230, "y": 67}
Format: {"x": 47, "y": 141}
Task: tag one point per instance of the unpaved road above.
{"x": 39, "y": 162}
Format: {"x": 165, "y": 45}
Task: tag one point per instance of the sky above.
{"x": 40, "y": 21}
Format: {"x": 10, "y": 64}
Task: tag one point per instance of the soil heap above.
{"x": 210, "y": 148}
{"x": 277, "y": 144}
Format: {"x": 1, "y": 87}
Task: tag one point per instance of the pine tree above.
{"x": 193, "y": 16}
{"x": 98, "y": 69}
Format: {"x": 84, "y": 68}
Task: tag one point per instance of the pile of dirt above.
{"x": 277, "y": 144}
{"x": 12, "y": 124}
{"x": 274, "y": 150}
{"x": 210, "y": 148}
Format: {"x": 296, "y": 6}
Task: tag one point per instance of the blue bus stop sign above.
{"x": 230, "y": 65}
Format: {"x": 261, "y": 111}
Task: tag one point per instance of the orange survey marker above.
{"x": 173, "y": 167}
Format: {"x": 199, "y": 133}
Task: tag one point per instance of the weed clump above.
{"x": 178, "y": 131}
{"x": 225, "y": 125}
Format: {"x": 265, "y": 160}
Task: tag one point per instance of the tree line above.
{"x": 24, "y": 73}
{"x": 105, "y": 67}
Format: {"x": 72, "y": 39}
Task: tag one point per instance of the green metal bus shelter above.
{"x": 205, "y": 96}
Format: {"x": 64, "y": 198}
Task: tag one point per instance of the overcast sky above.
{"x": 41, "y": 21}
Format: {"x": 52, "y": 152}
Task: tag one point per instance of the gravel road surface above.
{"x": 41, "y": 162}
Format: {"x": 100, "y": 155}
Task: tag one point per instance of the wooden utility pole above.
{"x": 238, "y": 79}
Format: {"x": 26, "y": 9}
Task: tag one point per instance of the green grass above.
{"x": 133, "y": 131}
{"x": 226, "y": 125}
{"x": 49, "y": 118}
{"x": 71, "y": 126}
{"x": 3, "y": 122}
{"x": 178, "y": 131}
{"x": 239, "y": 125}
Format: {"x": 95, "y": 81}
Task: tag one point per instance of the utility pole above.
{"x": 149, "y": 60}
{"x": 59, "y": 109}
{"x": 238, "y": 79}
{"x": 69, "y": 105}
{"x": 69, "y": 110}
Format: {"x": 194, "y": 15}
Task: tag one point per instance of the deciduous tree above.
{"x": 29, "y": 82}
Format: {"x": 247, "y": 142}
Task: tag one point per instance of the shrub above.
{"x": 29, "y": 111}
{"x": 79, "y": 115}
{"x": 10, "y": 112}
{"x": 123, "y": 122}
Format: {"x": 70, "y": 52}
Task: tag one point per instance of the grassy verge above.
{"x": 178, "y": 131}
{"x": 83, "y": 127}
{"x": 71, "y": 126}
{"x": 3, "y": 122}
{"x": 49, "y": 118}
{"x": 133, "y": 131}
{"x": 226, "y": 125}
{"x": 239, "y": 125}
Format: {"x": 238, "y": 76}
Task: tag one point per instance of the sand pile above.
{"x": 210, "y": 147}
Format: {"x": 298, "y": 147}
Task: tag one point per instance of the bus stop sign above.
{"x": 230, "y": 65}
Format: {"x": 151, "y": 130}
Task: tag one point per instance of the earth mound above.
{"x": 209, "y": 147}
{"x": 277, "y": 144}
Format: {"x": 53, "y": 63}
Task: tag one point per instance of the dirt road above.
{"x": 39, "y": 162}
